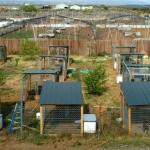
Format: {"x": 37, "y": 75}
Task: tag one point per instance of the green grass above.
{"x": 20, "y": 34}
{"x": 128, "y": 141}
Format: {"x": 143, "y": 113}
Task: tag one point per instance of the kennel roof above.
{"x": 136, "y": 93}
{"x": 61, "y": 93}
{"x": 36, "y": 72}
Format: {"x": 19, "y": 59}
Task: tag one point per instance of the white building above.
{"x": 75, "y": 7}
{"x": 87, "y": 7}
{"x": 61, "y": 6}
{"x": 14, "y": 8}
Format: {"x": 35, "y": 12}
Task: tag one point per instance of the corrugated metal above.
{"x": 61, "y": 93}
{"x": 136, "y": 93}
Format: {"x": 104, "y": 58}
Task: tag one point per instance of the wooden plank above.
{"x": 129, "y": 120}
{"x": 41, "y": 119}
{"x": 82, "y": 128}
{"x": 33, "y": 129}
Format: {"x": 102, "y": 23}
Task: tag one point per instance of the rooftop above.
{"x": 61, "y": 93}
{"x": 136, "y": 93}
{"x": 36, "y": 72}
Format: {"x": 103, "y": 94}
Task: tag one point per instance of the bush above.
{"x": 3, "y": 76}
{"x": 29, "y": 8}
{"x": 95, "y": 80}
{"x": 104, "y": 7}
{"x": 76, "y": 75}
{"x": 29, "y": 49}
{"x": 101, "y": 54}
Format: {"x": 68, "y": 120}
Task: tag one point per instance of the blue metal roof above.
{"x": 33, "y": 71}
{"x": 136, "y": 93}
{"x": 61, "y": 93}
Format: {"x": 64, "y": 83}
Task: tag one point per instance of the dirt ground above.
{"x": 69, "y": 144}
{"x": 113, "y": 138}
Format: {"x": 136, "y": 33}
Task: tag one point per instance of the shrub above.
{"x": 3, "y": 76}
{"x": 101, "y": 54}
{"x": 76, "y": 75}
{"x": 29, "y": 49}
{"x": 95, "y": 80}
{"x": 29, "y": 8}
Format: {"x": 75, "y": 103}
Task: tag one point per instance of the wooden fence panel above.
{"x": 77, "y": 47}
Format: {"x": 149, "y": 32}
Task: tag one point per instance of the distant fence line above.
{"x": 77, "y": 47}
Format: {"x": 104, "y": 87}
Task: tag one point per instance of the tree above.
{"x": 95, "y": 80}
{"x": 104, "y": 7}
{"x": 29, "y": 8}
{"x": 29, "y": 49}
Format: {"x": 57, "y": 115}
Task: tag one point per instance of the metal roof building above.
{"x": 61, "y": 93}
{"x": 136, "y": 106}
{"x": 136, "y": 93}
{"x": 61, "y": 107}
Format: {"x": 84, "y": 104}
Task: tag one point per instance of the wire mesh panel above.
{"x": 58, "y": 50}
{"x": 62, "y": 119}
{"x": 140, "y": 119}
{"x": 136, "y": 73}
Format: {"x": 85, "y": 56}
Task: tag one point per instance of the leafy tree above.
{"x": 104, "y": 7}
{"x": 29, "y": 8}
{"x": 95, "y": 80}
{"x": 29, "y": 49}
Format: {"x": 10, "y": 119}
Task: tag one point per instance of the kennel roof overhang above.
{"x": 40, "y": 72}
{"x": 61, "y": 57}
{"x": 136, "y": 93}
{"x": 61, "y": 93}
{"x": 124, "y": 46}
{"x": 59, "y": 46}
{"x": 138, "y": 65}
{"x": 132, "y": 54}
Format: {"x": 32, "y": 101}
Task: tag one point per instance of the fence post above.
{"x": 82, "y": 128}
{"x": 41, "y": 119}
{"x": 129, "y": 120}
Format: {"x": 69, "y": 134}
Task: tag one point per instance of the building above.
{"x": 75, "y": 7}
{"x": 46, "y": 7}
{"x": 61, "y": 6}
{"x": 61, "y": 108}
{"x": 135, "y": 106}
{"x": 87, "y": 7}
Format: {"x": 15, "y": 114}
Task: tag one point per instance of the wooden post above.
{"x": 30, "y": 82}
{"x": 82, "y": 121}
{"x": 122, "y": 111}
{"x": 129, "y": 120}
{"x": 41, "y": 119}
{"x": 44, "y": 63}
{"x": 64, "y": 71}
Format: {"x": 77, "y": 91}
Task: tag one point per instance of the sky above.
{"x": 109, "y": 2}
